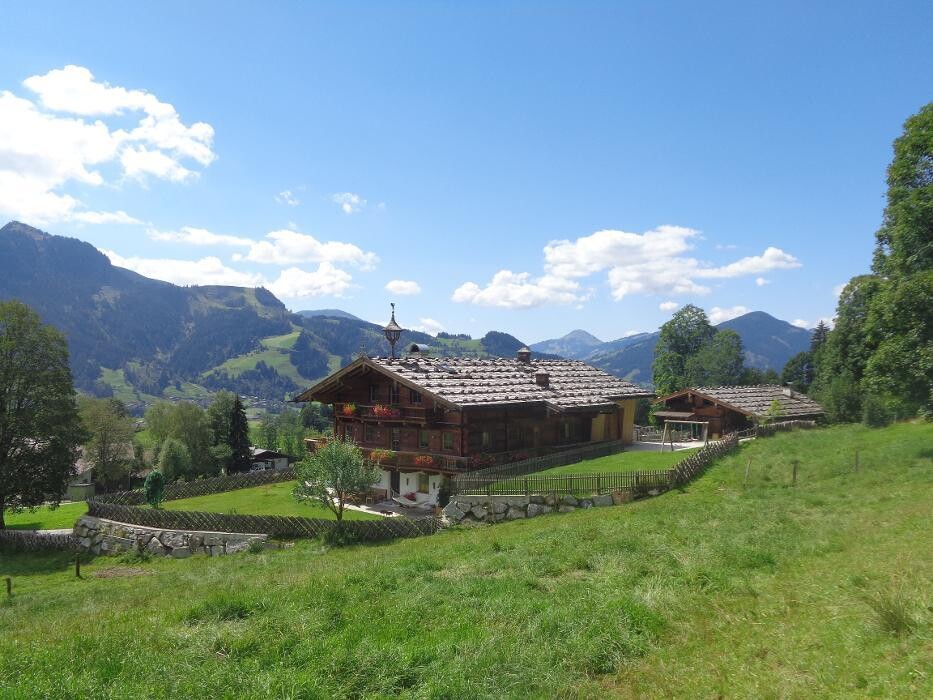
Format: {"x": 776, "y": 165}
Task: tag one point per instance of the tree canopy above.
{"x": 40, "y": 428}
{"x": 110, "y": 447}
{"x": 333, "y": 473}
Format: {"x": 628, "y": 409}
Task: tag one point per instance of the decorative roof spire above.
{"x": 393, "y": 331}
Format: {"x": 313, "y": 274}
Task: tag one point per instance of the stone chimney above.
{"x": 523, "y": 355}
{"x": 788, "y": 391}
{"x": 542, "y": 378}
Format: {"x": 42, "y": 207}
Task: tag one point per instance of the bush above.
{"x": 154, "y": 489}
{"x": 875, "y": 412}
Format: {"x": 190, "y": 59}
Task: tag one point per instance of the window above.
{"x": 373, "y": 393}
{"x": 393, "y": 394}
{"x": 415, "y": 396}
{"x": 371, "y": 434}
{"x": 422, "y": 438}
{"x": 423, "y": 483}
{"x": 448, "y": 443}
{"x": 487, "y": 439}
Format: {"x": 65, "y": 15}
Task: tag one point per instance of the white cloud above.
{"x": 209, "y": 270}
{"x": 327, "y": 280}
{"x": 287, "y": 197}
{"x": 718, "y": 315}
{"x": 48, "y": 144}
{"x": 429, "y": 326}
{"x": 198, "y": 236}
{"x": 668, "y": 305}
{"x": 838, "y": 289}
{"x": 512, "y": 290}
{"x": 761, "y": 281}
{"x": 287, "y": 247}
{"x": 104, "y": 217}
{"x": 654, "y": 262}
{"x": 349, "y": 202}
{"x": 800, "y": 323}
{"x": 403, "y": 287}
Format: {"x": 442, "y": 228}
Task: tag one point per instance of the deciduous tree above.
{"x": 333, "y": 473}
{"x": 40, "y": 429}
{"x": 110, "y": 448}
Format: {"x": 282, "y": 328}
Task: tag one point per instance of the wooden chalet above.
{"x": 731, "y": 408}
{"x": 443, "y": 415}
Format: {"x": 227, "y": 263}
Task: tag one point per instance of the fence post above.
{"x": 796, "y": 464}
{"x": 856, "y": 460}
{"x": 9, "y": 587}
{"x": 599, "y": 487}
{"x": 77, "y": 564}
{"x": 748, "y": 465}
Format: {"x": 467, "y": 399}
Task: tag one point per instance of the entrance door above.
{"x": 394, "y": 480}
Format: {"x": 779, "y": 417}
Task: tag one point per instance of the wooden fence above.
{"x": 29, "y": 541}
{"x": 639, "y": 482}
{"x": 202, "y": 487}
{"x": 273, "y": 525}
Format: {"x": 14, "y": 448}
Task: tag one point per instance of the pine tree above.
{"x": 241, "y": 458}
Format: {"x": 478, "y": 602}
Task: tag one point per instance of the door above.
{"x": 394, "y": 480}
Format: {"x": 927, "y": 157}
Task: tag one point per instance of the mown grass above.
{"x": 272, "y": 499}
{"x": 719, "y": 590}
{"x": 633, "y": 461}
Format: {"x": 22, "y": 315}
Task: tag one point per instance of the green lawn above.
{"x": 273, "y": 499}
{"x": 623, "y": 462}
{"x": 720, "y": 590}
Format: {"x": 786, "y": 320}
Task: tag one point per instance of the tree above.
{"x": 798, "y": 372}
{"x": 174, "y": 460}
{"x": 241, "y": 454}
{"x": 333, "y": 473}
{"x": 818, "y": 337}
{"x": 774, "y": 411}
{"x": 218, "y": 415}
{"x": 718, "y": 362}
{"x": 110, "y": 448}
{"x": 269, "y": 432}
{"x": 190, "y": 425}
{"x": 40, "y": 428}
{"x": 682, "y": 337}
{"x": 291, "y": 433}
{"x": 154, "y": 488}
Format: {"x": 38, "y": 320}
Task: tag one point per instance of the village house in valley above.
{"x": 730, "y": 408}
{"x": 425, "y": 417}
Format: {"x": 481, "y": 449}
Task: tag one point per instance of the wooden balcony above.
{"x": 383, "y": 413}
{"x": 409, "y": 461}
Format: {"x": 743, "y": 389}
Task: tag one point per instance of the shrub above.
{"x": 875, "y": 413}
{"x": 154, "y": 489}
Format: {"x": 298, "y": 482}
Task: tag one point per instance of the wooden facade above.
{"x": 448, "y": 415}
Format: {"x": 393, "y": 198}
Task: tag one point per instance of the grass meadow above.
{"x": 727, "y": 588}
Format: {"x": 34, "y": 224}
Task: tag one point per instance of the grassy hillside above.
{"x": 767, "y": 590}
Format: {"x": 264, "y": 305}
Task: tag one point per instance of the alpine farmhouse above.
{"x": 425, "y": 417}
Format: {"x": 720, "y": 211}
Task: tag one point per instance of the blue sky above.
{"x": 527, "y": 167}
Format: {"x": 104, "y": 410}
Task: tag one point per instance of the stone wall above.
{"x": 490, "y": 509}
{"x": 100, "y": 536}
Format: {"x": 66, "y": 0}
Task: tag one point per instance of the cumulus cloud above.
{"x": 519, "y": 291}
{"x": 800, "y": 323}
{"x": 761, "y": 281}
{"x": 292, "y": 283}
{"x": 198, "y": 236}
{"x": 349, "y": 202}
{"x": 654, "y": 262}
{"x": 668, "y": 305}
{"x": 286, "y": 247}
{"x": 403, "y": 287}
{"x": 287, "y": 197}
{"x": 838, "y": 289}
{"x": 209, "y": 270}
{"x": 429, "y": 326}
{"x": 63, "y": 137}
{"x": 718, "y": 315}
{"x": 295, "y": 283}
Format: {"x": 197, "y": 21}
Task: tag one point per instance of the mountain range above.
{"x": 768, "y": 343}
{"x": 141, "y": 339}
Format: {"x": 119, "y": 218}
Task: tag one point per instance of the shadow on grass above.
{"x": 16, "y": 563}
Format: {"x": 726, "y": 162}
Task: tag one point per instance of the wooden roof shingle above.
{"x": 756, "y": 400}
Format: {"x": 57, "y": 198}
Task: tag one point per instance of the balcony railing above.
{"x": 388, "y": 413}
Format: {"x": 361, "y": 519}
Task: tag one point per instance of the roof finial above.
{"x": 392, "y": 331}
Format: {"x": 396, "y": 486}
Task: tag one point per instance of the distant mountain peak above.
{"x": 21, "y": 229}
{"x": 331, "y": 313}
{"x": 576, "y": 345}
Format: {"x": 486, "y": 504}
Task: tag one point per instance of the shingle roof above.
{"x": 756, "y": 400}
{"x": 465, "y": 382}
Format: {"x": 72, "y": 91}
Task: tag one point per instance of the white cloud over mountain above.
{"x": 654, "y": 262}
{"x": 198, "y": 236}
{"x": 403, "y": 287}
{"x": 62, "y": 137}
{"x": 718, "y": 315}
{"x": 288, "y": 247}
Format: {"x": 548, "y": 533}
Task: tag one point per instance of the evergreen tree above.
{"x": 798, "y": 372}
{"x": 241, "y": 455}
{"x": 818, "y": 337}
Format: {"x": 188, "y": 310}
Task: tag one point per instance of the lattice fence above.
{"x": 274, "y": 525}
{"x": 769, "y": 429}
{"x": 203, "y": 487}
{"x": 26, "y": 541}
{"x": 690, "y": 468}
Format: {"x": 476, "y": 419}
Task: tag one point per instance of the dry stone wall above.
{"x": 490, "y": 509}
{"x": 100, "y": 536}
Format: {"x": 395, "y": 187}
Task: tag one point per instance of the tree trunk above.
{"x": 2, "y": 523}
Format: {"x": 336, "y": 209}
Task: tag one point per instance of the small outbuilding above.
{"x": 731, "y": 408}
{"x": 268, "y": 459}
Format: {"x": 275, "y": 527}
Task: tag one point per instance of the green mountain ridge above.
{"x": 143, "y": 339}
